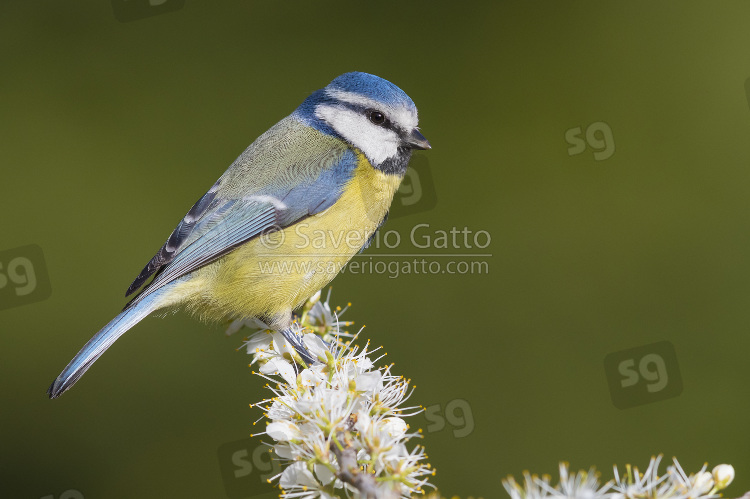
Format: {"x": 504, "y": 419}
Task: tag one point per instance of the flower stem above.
{"x": 350, "y": 472}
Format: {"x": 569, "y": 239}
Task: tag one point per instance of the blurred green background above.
{"x": 111, "y": 130}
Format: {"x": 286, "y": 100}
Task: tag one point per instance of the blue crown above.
{"x": 374, "y": 87}
{"x": 364, "y": 84}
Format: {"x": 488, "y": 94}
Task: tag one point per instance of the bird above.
{"x": 283, "y": 219}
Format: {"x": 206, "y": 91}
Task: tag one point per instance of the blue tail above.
{"x": 135, "y": 312}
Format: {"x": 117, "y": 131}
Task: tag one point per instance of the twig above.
{"x": 350, "y": 472}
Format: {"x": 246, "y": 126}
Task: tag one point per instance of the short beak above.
{"x": 417, "y": 141}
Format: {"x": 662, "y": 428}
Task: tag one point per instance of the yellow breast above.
{"x": 279, "y": 271}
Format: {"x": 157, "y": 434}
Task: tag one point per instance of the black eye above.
{"x": 376, "y": 117}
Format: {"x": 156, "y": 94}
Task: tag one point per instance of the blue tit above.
{"x": 326, "y": 174}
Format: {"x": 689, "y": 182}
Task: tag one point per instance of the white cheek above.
{"x": 377, "y": 143}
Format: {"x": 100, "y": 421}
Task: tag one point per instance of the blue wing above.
{"x": 217, "y": 224}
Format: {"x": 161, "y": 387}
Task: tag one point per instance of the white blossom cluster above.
{"x": 673, "y": 484}
{"x": 337, "y": 425}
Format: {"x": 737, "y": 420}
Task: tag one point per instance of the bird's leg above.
{"x": 296, "y": 342}
{"x": 282, "y": 322}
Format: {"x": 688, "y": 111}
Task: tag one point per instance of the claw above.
{"x": 296, "y": 342}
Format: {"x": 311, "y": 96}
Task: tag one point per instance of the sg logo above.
{"x": 23, "y": 277}
{"x": 642, "y": 375}
{"x": 246, "y": 466}
{"x": 132, "y": 10}
{"x": 598, "y": 136}
{"x": 68, "y": 494}
{"x": 457, "y": 413}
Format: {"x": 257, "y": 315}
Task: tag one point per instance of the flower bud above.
{"x": 723, "y": 475}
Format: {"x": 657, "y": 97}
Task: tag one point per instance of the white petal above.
{"x": 279, "y": 411}
{"x": 315, "y": 298}
{"x": 703, "y": 482}
{"x": 386, "y": 490}
{"x": 325, "y": 475}
{"x": 363, "y": 422}
{"x": 235, "y": 326}
{"x": 311, "y": 377}
{"x": 396, "y": 452}
{"x": 277, "y": 365}
{"x": 282, "y": 431}
{"x": 281, "y": 345}
{"x": 283, "y": 451}
{"x": 261, "y": 356}
{"x": 315, "y": 345}
{"x": 365, "y": 364}
{"x": 259, "y": 341}
{"x": 305, "y": 406}
{"x": 395, "y": 427}
{"x": 310, "y": 429}
{"x": 369, "y": 382}
{"x": 317, "y": 312}
{"x": 297, "y": 474}
{"x": 333, "y": 400}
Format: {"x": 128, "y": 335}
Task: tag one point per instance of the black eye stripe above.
{"x": 366, "y": 111}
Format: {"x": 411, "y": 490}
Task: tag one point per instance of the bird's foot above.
{"x": 296, "y": 341}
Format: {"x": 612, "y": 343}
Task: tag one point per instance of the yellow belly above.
{"x": 277, "y": 272}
